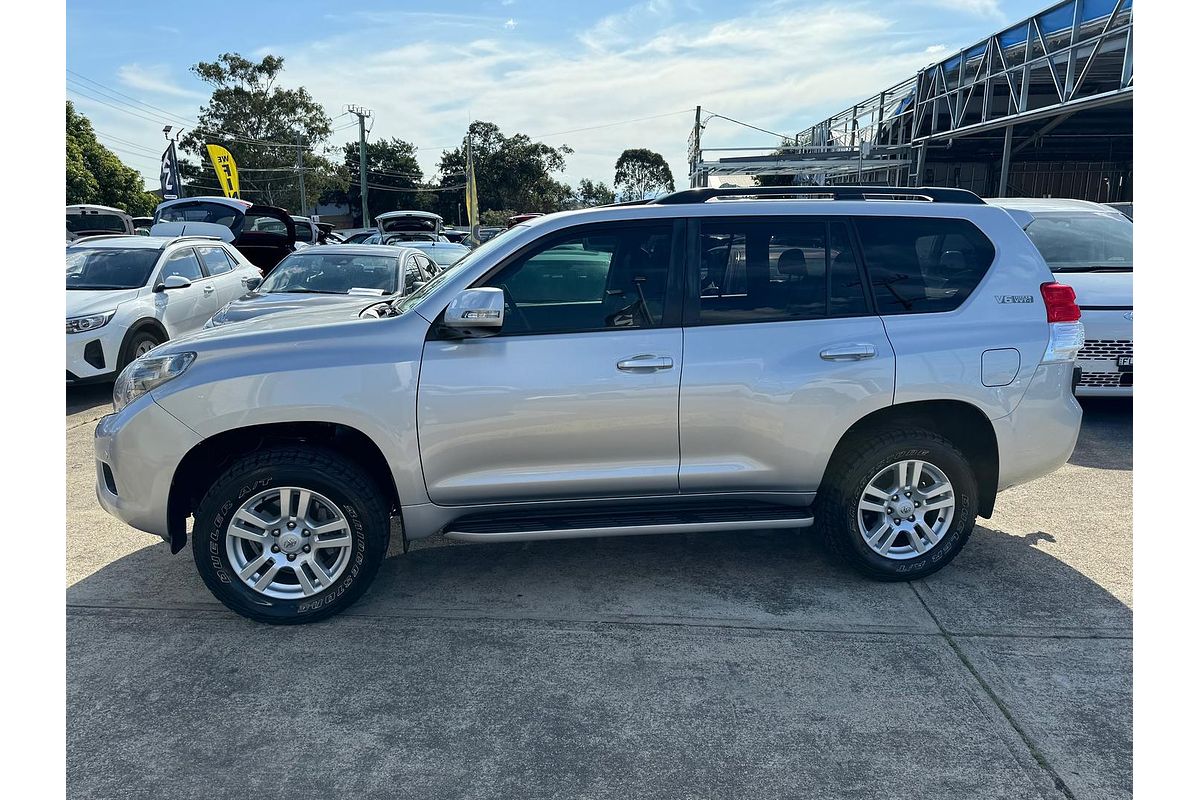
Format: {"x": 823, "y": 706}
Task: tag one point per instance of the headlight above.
{"x": 147, "y": 373}
{"x": 88, "y": 323}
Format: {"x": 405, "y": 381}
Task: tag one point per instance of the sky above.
{"x": 628, "y": 73}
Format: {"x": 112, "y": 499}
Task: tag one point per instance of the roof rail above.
{"x": 928, "y": 194}
{"x": 199, "y": 236}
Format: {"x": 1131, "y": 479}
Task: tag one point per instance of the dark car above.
{"x": 333, "y": 275}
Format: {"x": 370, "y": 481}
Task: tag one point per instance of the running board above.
{"x": 525, "y": 528}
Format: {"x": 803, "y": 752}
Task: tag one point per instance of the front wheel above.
{"x": 898, "y": 506}
{"x": 290, "y": 535}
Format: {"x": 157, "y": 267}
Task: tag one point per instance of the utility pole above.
{"x": 362, "y": 114}
{"x": 695, "y": 177}
{"x": 300, "y": 172}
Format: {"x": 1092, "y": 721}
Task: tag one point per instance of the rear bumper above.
{"x": 1039, "y": 435}
{"x": 137, "y": 452}
{"x": 1108, "y": 340}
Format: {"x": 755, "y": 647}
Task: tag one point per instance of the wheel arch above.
{"x": 151, "y": 324}
{"x": 962, "y": 423}
{"x": 203, "y": 464}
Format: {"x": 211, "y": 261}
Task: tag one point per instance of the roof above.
{"x": 94, "y": 207}
{"x": 1049, "y": 204}
{"x": 354, "y": 249}
{"x": 135, "y": 242}
{"x": 432, "y": 245}
{"x": 398, "y": 214}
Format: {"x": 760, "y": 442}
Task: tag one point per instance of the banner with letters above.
{"x": 168, "y": 174}
{"x": 226, "y": 169}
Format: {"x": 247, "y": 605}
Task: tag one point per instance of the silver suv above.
{"x": 714, "y": 360}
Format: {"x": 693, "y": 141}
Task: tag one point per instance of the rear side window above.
{"x": 216, "y": 261}
{"x": 919, "y": 265}
{"x": 785, "y": 268}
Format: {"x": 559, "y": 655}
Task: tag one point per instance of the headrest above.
{"x": 792, "y": 262}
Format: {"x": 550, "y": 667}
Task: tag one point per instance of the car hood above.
{"x": 81, "y": 302}
{"x": 255, "y": 304}
{"x": 1099, "y": 288}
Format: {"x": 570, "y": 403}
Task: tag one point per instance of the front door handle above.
{"x": 849, "y": 352}
{"x": 645, "y": 363}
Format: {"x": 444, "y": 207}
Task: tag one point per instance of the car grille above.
{"x": 1106, "y": 380}
{"x": 1105, "y": 349}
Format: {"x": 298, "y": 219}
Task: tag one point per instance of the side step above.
{"x": 585, "y": 524}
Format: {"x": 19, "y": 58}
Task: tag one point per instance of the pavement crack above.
{"x": 1042, "y": 760}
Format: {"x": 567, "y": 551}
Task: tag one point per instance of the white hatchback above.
{"x": 1089, "y": 247}
{"x": 129, "y": 294}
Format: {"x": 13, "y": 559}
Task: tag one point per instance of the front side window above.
{"x": 334, "y": 273}
{"x": 777, "y": 269}
{"x": 1081, "y": 242}
{"x": 97, "y": 268}
{"x": 184, "y": 264}
{"x": 923, "y": 264}
{"x": 606, "y": 276}
{"x": 216, "y": 260}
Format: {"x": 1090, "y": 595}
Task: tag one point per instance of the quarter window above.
{"x": 920, "y": 264}
{"x": 605, "y": 277}
{"x": 777, "y": 269}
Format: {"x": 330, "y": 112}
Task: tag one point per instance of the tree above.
{"x": 642, "y": 172}
{"x": 511, "y": 172}
{"x": 594, "y": 193}
{"x": 261, "y": 124}
{"x": 390, "y": 162}
{"x": 96, "y": 175}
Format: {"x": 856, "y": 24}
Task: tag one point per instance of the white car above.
{"x": 1089, "y": 247}
{"x": 128, "y": 294}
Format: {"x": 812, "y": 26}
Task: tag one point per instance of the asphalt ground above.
{"x": 676, "y": 666}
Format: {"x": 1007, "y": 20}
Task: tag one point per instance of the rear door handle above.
{"x": 645, "y": 363}
{"x": 209, "y": 289}
{"x": 849, "y": 352}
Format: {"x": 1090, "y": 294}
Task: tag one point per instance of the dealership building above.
{"x": 1043, "y": 108}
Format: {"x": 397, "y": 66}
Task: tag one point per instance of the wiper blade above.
{"x": 1096, "y": 268}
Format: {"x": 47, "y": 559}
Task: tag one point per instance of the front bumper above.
{"x": 93, "y": 355}
{"x": 137, "y": 453}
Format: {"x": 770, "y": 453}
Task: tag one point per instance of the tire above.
{"x": 872, "y": 455}
{"x": 143, "y": 341}
{"x": 328, "y": 479}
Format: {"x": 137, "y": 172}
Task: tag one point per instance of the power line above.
{"x": 746, "y": 124}
{"x": 109, "y": 91}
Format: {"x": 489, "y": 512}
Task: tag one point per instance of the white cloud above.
{"x": 155, "y": 79}
{"x": 510, "y": 24}
{"x": 979, "y": 8}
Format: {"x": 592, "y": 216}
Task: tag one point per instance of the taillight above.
{"x": 1060, "y": 303}
{"x": 1066, "y": 331}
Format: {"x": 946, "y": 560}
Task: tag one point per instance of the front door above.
{"x": 578, "y": 394}
{"x": 187, "y": 309}
{"x": 783, "y": 353}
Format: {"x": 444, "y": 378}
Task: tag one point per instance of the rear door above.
{"x": 782, "y": 352}
{"x": 225, "y": 274}
{"x": 578, "y": 395}
{"x": 185, "y": 310}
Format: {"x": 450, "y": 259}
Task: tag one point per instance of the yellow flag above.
{"x": 472, "y": 194}
{"x": 226, "y": 169}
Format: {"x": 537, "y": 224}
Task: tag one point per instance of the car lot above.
{"x": 675, "y": 666}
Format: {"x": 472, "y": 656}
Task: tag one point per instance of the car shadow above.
{"x": 88, "y": 397}
{"x": 1106, "y": 435}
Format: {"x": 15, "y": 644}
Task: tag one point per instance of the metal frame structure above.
{"x": 1072, "y": 57}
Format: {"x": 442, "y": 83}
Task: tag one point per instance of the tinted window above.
{"x": 265, "y": 224}
{"x": 216, "y": 260}
{"x": 109, "y": 268}
{"x": 199, "y": 212}
{"x": 607, "y": 277}
{"x": 777, "y": 269}
{"x": 920, "y": 265}
{"x": 304, "y": 231}
{"x": 77, "y": 223}
{"x": 1083, "y": 241}
{"x": 183, "y": 263}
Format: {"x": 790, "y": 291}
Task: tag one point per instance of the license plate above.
{"x": 1125, "y": 363}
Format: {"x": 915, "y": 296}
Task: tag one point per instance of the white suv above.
{"x": 128, "y": 294}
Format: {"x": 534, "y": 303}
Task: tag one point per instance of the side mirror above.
{"x": 173, "y": 282}
{"x": 253, "y": 283}
{"x": 476, "y": 312}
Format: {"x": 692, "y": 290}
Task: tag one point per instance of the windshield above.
{"x": 78, "y": 223}
{"x": 484, "y": 250}
{"x": 333, "y": 273}
{"x": 1072, "y": 242}
{"x": 109, "y": 268}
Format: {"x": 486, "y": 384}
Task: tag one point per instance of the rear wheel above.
{"x": 899, "y": 505}
{"x": 290, "y": 535}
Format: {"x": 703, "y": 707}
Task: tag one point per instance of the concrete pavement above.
{"x": 672, "y": 666}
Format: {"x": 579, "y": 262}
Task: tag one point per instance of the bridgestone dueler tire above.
{"x": 846, "y": 478}
{"x": 343, "y": 482}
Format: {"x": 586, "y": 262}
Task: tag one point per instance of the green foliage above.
{"x": 496, "y": 217}
{"x": 511, "y": 172}
{"x": 258, "y": 122}
{"x": 390, "y": 162}
{"x": 96, "y": 175}
{"x": 641, "y": 173}
{"x": 594, "y": 193}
